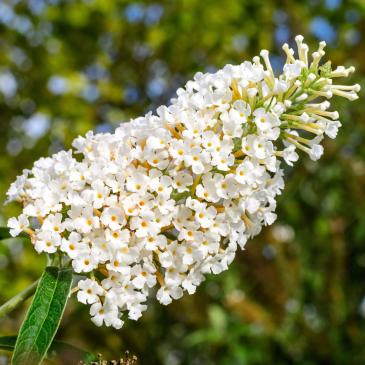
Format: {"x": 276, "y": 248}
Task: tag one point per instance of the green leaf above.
{"x": 43, "y": 317}
{"x": 325, "y": 70}
{"x": 4, "y": 233}
{"x": 7, "y": 343}
{"x": 58, "y": 349}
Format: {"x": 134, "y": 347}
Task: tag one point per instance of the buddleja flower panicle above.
{"x": 170, "y": 197}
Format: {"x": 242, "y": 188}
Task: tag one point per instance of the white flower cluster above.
{"x": 168, "y": 198}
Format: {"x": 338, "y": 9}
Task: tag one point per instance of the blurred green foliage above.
{"x": 296, "y": 295}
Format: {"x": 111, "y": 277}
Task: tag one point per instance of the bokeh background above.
{"x": 296, "y": 295}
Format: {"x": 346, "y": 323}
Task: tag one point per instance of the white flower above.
{"x": 257, "y": 146}
{"x": 210, "y": 243}
{"x": 165, "y": 294}
{"x": 119, "y": 262}
{"x": 210, "y": 141}
{"x": 53, "y": 223}
{"x": 316, "y": 151}
{"x": 84, "y": 262}
{"x": 152, "y": 242}
{"x": 181, "y": 181}
{"x": 82, "y": 219}
{"x": 47, "y": 241}
{"x": 101, "y": 192}
{"x": 331, "y": 128}
{"x": 222, "y": 157}
{"x": 118, "y": 238}
{"x": 178, "y": 150}
{"x": 168, "y": 198}
{"x": 190, "y": 252}
{"x": 197, "y": 159}
{"x": 293, "y": 70}
{"x": 73, "y": 245}
{"x": 205, "y": 215}
{"x": 190, "y": 234}
{"x": 207, "y": 190}
{"x": 226, "y": 186}
{"x": 113, "y": 218}
{"x": 289, "y": 155}
{"x": 106, "y": 313}
{"x": 144, "y": 275}
{"x": 137, "y": 182}
{"x": 18, "y": 225}
{"x": 248, "y": 172}
{"x": 235, "y": 118}
{"x": 265, "y": 121}
{"x": 158, "y": 159}
{"x": 144, "y": 225}
{"x": 160, "y": 141}
{"x": 89, "y": 291}
{"x": 162, "y": 186}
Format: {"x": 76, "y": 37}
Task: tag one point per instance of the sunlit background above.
{"x": 296, "y": 295}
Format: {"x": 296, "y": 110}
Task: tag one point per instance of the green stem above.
{"x": 15, "y": 301}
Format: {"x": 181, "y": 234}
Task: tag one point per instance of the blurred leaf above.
{"x": 7, "y": 343}
{"x": 5, "y": 233}
{"x": 57, "y": 349}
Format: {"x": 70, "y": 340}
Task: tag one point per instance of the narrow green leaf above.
{"x": 43, "y": 317}
{"x": 58, "y": 350}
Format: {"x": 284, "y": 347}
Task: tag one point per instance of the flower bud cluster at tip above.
{"x": 170, "y": 197}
